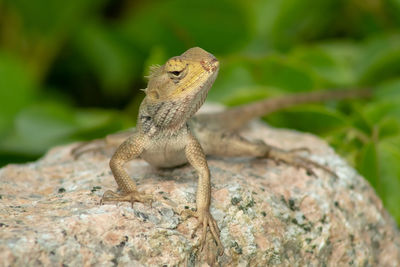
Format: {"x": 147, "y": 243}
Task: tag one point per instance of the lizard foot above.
{"x": 205, "y": 219}
{"x": 132, "y": 197}
{"x": 290, "y": 157}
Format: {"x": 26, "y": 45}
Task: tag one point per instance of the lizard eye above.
{"x": 176, "y": 73}
{"x": 176, "y": 70}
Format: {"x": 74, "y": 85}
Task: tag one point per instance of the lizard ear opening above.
{"x": 153, "y": 94}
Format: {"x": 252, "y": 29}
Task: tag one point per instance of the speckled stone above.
{"x": 269, "y": 214}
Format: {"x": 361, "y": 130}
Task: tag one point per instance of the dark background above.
{"x": 72, "y": 70}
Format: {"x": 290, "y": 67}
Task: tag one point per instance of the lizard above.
{"x": 168, "y": 134}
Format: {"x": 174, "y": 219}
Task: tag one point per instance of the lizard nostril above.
{"x": 210, "y": 64}
{"x": 215, "y": 62}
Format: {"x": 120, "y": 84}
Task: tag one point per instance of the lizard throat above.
{"x": 172, "y": 115}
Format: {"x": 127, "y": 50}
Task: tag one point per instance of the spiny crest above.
{"x": 154, "y": 70}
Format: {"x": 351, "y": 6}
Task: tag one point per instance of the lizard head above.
{"x": 177, "y": 89}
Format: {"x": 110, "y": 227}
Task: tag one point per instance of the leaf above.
{"x": 394, "y": 10}
{"x": 271, "y": 73}
{"x": 388, "y": 90}
{"x": 389, "y": 127}
{"x": 380, "y": 59}
{"x": 249, "y": 94}
{"x": 234, "y": 76}
{"x": 284, "y": 23}
{"x": 367, "y": 163}
{"x": 111, "y": 59}
{"x": 376, "y": 111}
{"x": 314, "y": 119}
{"x": 178, "y": 25}
{"x": 330, "y": 62}
{"x": 97, "y": 123}
{"x": 344, "y": 51}
{"x": 389, "y": 187}
{"x": 17, "y": 89}
{"x": 42, "y": 17}
{"x": 377, "y": 120}
{"x": 43, "y": 125}
{"x": 279, "y": 72}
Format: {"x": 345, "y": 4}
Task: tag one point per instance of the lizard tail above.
{"x": 234, "y": 118}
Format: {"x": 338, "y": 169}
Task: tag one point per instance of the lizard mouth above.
{"x": 199, "y": 98}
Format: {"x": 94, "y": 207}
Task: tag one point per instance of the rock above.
{"x": 268, "y": 214}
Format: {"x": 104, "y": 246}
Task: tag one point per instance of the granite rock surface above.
{"x": 269, "y": 214}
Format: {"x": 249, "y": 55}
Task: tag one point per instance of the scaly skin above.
{"x": 175, "y": 92}
{"x": 167, "y": 136}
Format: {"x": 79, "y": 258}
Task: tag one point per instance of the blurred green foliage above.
{"x": 72, "y": 70}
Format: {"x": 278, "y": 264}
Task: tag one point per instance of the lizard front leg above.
{"x": 128, "y": 150}
{"x": 196, "y": 158}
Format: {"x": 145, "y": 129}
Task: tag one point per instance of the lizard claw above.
{"x": 205, "y": 220}
{"x": 132, "y": 197}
